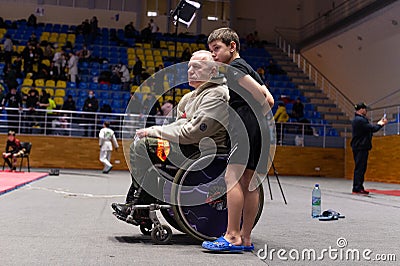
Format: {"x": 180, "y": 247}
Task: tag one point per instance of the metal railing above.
{"x": 72, "y": 123}
{"x": 321, "y": 82}
{"x": 392, "y": 114}
{"x": 87, "y": 124}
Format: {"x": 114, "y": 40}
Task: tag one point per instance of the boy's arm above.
{"x": 259, "y": 92}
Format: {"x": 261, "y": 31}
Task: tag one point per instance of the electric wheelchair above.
{"x": 194, "y": 199}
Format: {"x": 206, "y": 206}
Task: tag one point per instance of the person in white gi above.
{"x": 106, "y": 141}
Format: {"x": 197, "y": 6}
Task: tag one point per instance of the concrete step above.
{"x": 324, "y": 109}
{"x": 303, "y": 81}
{"x": 324, "y": 102}
{"x": 335, "y": 117}
{"x": 297, "y": 74}
{"x": 342, "y": 122}
{"x": 307, "y": 87}
{"x": 315, "y": 94}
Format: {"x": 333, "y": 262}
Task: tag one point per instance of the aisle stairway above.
{"x": 321, "y": 102}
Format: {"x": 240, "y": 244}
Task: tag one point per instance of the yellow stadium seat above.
{"x": 50, "y": 91}
{"x": 156, "y": 52}
{"x": 39, "y": 82}
{"x": 50, "y": 83}
{"x": 171, "y": 47}
{"x": 131, "y": 56}
{"x": 54, "y": 34}
{"x": 53, "y": 39}
{"x": 158, "y": 63}
{"x": 184, "y": 91}
{"x": 150, "y": 64}
{"x": 60, "y": 93}
{"x": 25, "y": 90}
{"x": 158, "y": 58}
{"x": 163, "y": 45}
{"x": 62, "y": 35}
{"x": 46, "y": 62}
{"x": 148, "y": 52}
{"x": 27, "y": 82}
{"x": 202, "y": 46}
{"x": 131, "y": 63}
{"x": 145, "y": 89}
{"x": 131, "y": 51}
{"x": 134, "y": 88}
{"x": 149, "y": 58}
{"x": 61, "y": 84}
{"x": 45, "y": 33}
{"x": 139, "y": 51}
{"x": 147, "y": 45}
{"x": 59, "y": 101}
{"x": 20, "y": 48}
{"x": 141, "y": 57}
{"x": 164, "y": 53}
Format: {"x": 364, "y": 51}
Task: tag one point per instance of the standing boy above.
{"x": 249, "y": 99}
{"x": 106, "y": 141}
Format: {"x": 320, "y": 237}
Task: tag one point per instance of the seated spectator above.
{"x": 298, "y": 110}
{"x": 261, "y": 72}
{"x": 186, "y": 55}
{"x": 105, "y": 77}
{"x": 280, "y": 117}
{"x": 84, "y": 54}
{"x": 69, "y": 104}
{"x": 53, "y": 72}
{"x": 130, "y": 31}
{"x": 32, "y": 102}
{"x": 17, "y": 64}
{"x": 137, "y": 71}
{"x": 274, "y": 69}
{"x": 48, "y": 52}
{"x": 13, "y": 151}
{"x": 125, "y": 76}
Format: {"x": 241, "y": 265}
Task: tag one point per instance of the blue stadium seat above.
{"x": 104, "y": 95}
{"x": 83, "y": 86}
{"x": 116, "y": 96}
{"x": 104, "y": 87}
{"x": 116, "y": 87}
{"x": 94, "y": 86}
{"x": 71, "y": 85}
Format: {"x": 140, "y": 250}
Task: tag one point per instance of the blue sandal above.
{"x": 221, "y": 244}
{"x": 248, "y": 248}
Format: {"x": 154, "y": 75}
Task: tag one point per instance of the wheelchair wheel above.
{"x": 161, "y": 235}
{"x": 207, "y": 219}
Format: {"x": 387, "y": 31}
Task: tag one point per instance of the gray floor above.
{"x": 67, "y": 220}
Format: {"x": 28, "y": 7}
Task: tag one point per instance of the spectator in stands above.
{"x": 361, "y": 144}
{"x": 17, "y": 64}
{"x": 8, "y": 49}
{"x": 298, "y": 110}
{"x": 10, "y": 76}
{"x": 60, "y": 62}
{"x": 274, "y": 69}
{"x": 13, "y": 150}
{"x": 33, "y": 39}
{"x": 28, "y": 54}
{"x": 84, "y": 54}
{"x": 186, "y": 55}
{"x": 106, "y": 141}
{"x": 280, "y": 117}
{"x": 134, "y": 105}
{"x": 166, "y": 108}
{"x": 91, "y": 105}
{"x": 137, "y": 71}
{"x": 32, "y": 21}
{"x": 69, "y": 104}
{"x": 261, "y": 73}
{"x": 130, "y": 31}
{"x": 32, "y": 102}
{"x": 94, "y": 26}
{"x": 125, "y": 76}
{"x": 13, "y": 99}
{"x": 72, "y": 66}
{"x": 151, "y": 107}
{"x": 48, "y": 52}
{"x": 53, "y": 72}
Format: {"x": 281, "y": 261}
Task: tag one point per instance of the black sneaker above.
{"x": 122, "y": 209}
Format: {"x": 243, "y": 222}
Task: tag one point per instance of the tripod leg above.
{"x": 269, "y": 186}
{"x": 279, "y": 183}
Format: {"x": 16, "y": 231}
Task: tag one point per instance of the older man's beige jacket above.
{"x": 201, "y": 113}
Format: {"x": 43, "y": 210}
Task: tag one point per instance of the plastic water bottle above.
{"x": 316, "y": 202}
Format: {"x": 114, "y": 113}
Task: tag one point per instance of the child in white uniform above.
{"x": 106, "y": 141}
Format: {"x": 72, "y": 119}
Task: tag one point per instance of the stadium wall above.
{"x": 383, "y": 162}
{"x": 83, "y": 153}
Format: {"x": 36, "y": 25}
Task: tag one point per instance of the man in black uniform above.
{"x": 361, "y": 145}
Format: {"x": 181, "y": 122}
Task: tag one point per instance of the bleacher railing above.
{"x": 392, "y": 114}
{"x": 321, "y": 82}
{"x": 87, "y": 124}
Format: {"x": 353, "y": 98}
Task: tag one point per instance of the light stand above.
{"x": 185, "y": 13}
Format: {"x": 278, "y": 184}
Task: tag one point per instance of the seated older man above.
{"x": 202, "y": 115}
